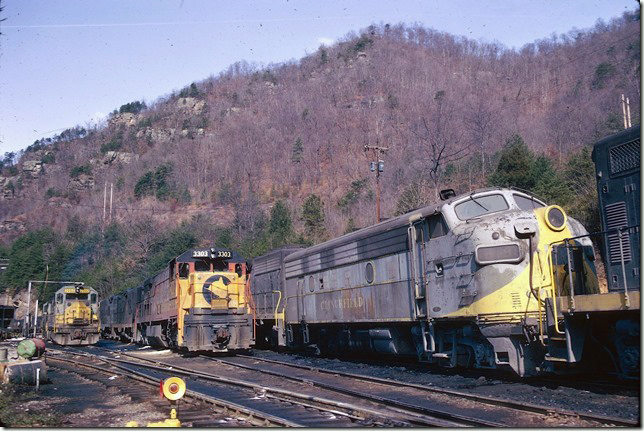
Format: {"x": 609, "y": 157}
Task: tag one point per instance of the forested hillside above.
{"x": 257, "y": 157}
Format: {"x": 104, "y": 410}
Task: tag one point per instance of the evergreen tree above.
{"x": 34, "y": 256}
{"x": 313, "y": 216}
{"x": 298, "y": 151}
{"x": 548, "y": 183}
{"x": 280, "y": 225}
{"x": 579, "y": 177}
{"x": 514, "y": 168}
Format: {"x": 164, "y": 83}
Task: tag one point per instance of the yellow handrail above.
{"x": 279, "y": 299}
{"x": 554, "y": 295}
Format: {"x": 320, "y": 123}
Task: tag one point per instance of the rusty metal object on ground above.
{"x": 24, "y": 372}
{"x": 30, "y": 348}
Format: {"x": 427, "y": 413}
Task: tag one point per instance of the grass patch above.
{"x": 14, "y": 414}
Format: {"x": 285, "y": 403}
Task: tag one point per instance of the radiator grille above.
{"x": 625, "y": 157}
{"x": 615, "y": 218}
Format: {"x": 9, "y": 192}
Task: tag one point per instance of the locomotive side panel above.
{"x": 266, "y": 282}
{"x": 356, "y": 281}
{"x": 360, "y": 292}
{"x": 269, "y": 301}
{"x": 618, "y": 170}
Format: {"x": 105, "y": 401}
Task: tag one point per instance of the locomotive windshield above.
{"x": 526, "y": 203}
{"x": 479, "y": 206}
{"x": 202, "y": 266}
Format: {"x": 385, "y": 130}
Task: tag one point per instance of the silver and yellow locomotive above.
{"x": 471, "y": 280}
{"x": 71, "y": 318}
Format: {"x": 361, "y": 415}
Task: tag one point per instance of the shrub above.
{"x": 603, "y": 72}
{"x": 52, "y": 192}
{"x": 144, "y": 186}
{"x": 132, "y": 107}
{"x": 114, "y": 144}
{"x": 80, "y": 170}
{"x": 48, "y": 158}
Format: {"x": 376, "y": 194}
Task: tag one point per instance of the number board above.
{"x": 212, "y": 254}
{"x": 74, "y": 290}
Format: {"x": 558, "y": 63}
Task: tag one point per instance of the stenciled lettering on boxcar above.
{"x": 341, "y": 303}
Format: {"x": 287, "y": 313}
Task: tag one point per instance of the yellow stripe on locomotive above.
{"x": 512, "y": 301}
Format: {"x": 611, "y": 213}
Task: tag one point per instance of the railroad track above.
{"x": 200, "y": 411}
{"x": 256, "y": 405}
{"x": 408, "y": 403}
{"x": 382, "y": 412}
{"x": 606, "y": 384}
{"x": 520, "y": 406}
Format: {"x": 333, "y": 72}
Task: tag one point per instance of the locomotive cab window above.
{"x": 92, "y": 298}
{"x": 202, "y": 266}
{"x": 184, "y": 270}
{"x": 59, "y": 298}
{"x": 477, "y": 206}
{"x": 171, "y": 270}
{"x": 527, "y": 204}
{"x": 437, "y": 226}
{"x": 220, "y": 265}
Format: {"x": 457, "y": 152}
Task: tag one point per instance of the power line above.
{"x": 124, "y": 208}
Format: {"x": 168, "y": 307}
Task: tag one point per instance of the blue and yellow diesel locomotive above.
{"x": 473, "y": 280}
{"x": 71, "y": 318}
{"x": 199, "y": 302}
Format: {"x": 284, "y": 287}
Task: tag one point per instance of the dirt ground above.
{"x": 72, "y": 401}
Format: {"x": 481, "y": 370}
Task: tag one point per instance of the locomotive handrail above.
{"x": 536, "y": 295}
{"x": 554, "y": 293}
{"x": 567, "y": 243}
{"x": 277, "y": 306}
{"x": 250, "y": 302}
{"x": 620, "y": 232}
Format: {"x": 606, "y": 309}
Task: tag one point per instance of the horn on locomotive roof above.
{"x": 446, "y": 194}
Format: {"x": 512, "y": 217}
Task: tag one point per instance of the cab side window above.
{"x": 59, "y": 298}
{"x": 184, "y": 270}
{"x": 437, "y": 226}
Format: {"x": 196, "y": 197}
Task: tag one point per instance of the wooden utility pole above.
{"x": 626, "y": 112}
{"x": 378, "y": 166}
{"x": 104, "y": 201}
{"x": 111, "y": 192}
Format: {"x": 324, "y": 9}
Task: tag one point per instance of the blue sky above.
{"x": 70, "y": 62}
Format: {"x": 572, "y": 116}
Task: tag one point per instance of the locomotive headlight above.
{"x": 555, "y": 218}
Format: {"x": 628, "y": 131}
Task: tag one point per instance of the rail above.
{"x": 255, "y": 417}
